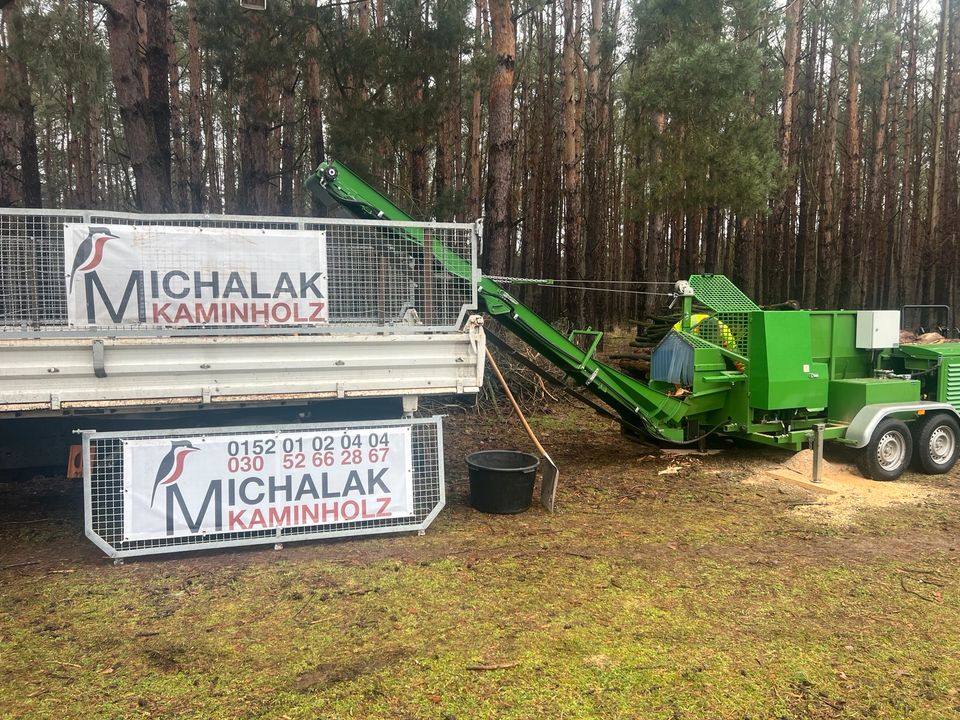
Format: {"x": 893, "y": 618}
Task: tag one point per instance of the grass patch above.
{"x": 645, "y": 596}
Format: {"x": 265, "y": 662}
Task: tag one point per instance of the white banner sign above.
{"x": 183, "y": 487}
{"x": 166, "y": 277}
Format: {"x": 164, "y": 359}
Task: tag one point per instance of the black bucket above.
{"x": 501, "y": 481}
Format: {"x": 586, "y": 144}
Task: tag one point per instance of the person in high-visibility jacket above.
{"x": 716, "y": 330}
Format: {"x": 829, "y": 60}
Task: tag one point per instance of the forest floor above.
{"x": 664, "y": 586}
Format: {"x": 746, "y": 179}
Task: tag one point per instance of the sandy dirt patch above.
{"x": 842, "y": 494}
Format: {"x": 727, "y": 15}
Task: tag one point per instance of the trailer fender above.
{"x": 866, "y": 420}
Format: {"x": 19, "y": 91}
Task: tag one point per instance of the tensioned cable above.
{"x": 551, "y": 281}
{"x": 606, "y": 290}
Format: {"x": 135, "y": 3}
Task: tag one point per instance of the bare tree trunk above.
{"x": 19, "y": 156}
{"x": 949, "y": 211}
{"x": 571, "y": 163}
{"x": 10, "y": 195}
{"x": 288, "y": 131}
{"x": 496, "y": 228}
{"x": 907, "y": 250}
{"x": 230, "y": 134}
{"x": 179, "y": 176}
{"x": 780, "y": 237}
{"x": 934, "y": 243}
{"x": 829, "y": 248}
{"x": 150, "y": 167}
{"x": 210, "y": 147}
{"x": 851, "y": 242}
{"x": 314, "y": 113}
{"x": 872, "y": 267}
{"x": 158, "y": 73}
{"x": 255, "y": 191}
{"x": 808, "y": 189}
{"x": 194, "y": 141}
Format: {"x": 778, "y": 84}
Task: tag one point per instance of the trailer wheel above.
{"x": 937, "y": 443}
{"x": 888, "y": 453}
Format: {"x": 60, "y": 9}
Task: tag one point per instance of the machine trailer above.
{"x": 780, "y": 378}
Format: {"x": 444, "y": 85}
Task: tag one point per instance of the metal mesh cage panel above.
{"x": 379, "y": 273}
{"x": 721, "y": 295}
{"x": 104, "y": 491}
{"x": 728, "y": 326}
{"x": 728, "y": 330}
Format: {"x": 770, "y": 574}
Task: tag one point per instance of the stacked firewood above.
{"x": 927, "y": 338}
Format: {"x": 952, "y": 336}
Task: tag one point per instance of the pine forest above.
{"x": 809, "y": 149}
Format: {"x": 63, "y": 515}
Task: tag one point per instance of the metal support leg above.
{"x": 817, "y": 442}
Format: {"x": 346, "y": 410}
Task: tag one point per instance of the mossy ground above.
{"x": 644, "y": 596}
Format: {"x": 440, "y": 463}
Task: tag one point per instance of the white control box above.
{"x": 878, "y": 329}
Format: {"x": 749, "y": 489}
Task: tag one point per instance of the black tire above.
{"x": 937, "y": 444}
{"x": 889, "y": 451}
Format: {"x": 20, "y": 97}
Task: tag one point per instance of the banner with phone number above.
{"x": 184, "y": 487}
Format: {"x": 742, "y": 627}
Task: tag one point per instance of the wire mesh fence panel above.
{"x": 299, "y": 503}
{"x": 408, "y": 277}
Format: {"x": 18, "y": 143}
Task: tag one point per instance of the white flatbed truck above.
{"x": 396, "y": 328}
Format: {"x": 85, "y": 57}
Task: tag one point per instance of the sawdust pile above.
{"x": 842, "y": 494}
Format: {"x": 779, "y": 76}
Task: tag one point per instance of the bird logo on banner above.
{"x": 171, "y": 467}
{"x": 90, "y": 252}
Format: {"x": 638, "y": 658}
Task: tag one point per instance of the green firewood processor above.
{"x": 774, "y": 377}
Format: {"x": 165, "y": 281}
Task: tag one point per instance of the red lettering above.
{"x": 278, "y": 518}
{"x": 333, "y": 510}
{"x": 238, "y": 312}
{"x": 277, "y": 313}
{"x": 206, "y": 313}
{"x": 317, "y": 314}
{"x": 160, "y": 311}
{"x": 235, "y": 520}
{"x": 384, "y": 504}
{"x": 297, "y": 317}
{"x": 309, "y": 513}
{"x": 256, "y": 518}
{"x": 183, "y": 313}
{"x": 262, "y": 310}
{"x": 355, "y": 510}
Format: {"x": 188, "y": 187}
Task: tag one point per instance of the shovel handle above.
{"x": 516, "y": 407}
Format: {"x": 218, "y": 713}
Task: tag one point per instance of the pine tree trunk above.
{"x": 828, "y": 295}
{"x": 158, "y": 73}
{"x": 194, "y": 141}
{"x": 19, "y": 156}
{"x": 314, "y": 111}
{"x": 593, "y": 195}
{"x": 949, "y": 215}
{"x": 209, "y": 145}
{"x": 288, "y": 129}
{"x": 573, "y": 248}
{"x": 781, "y": 227}
{"x": 150, "y": 167}
{"x": 10, "y": 188}
{"x": 500, "y": 140}
{"x": 179, "y": 176}
{"x": 473, "y": 137}
{"x": 808, "y": 173}
{"x": 873, "y": 264}
{"x": 230, "y": 133}
{"x": 932, "y": 253}
{"x": 255, "y": 192}
{"x": 850, "y": 240}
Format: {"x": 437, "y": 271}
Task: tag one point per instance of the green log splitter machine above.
{"x": 785, "y": 378}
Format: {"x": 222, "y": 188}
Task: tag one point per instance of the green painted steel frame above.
{"x": 635, "y": 402}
